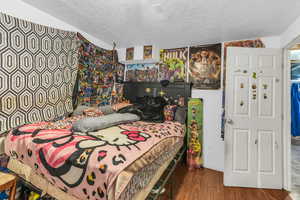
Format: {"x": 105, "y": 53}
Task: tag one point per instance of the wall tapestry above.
{"x": 195, "y": 133}
{"x": 38, "y": 70}
{"x": 147, "y": 72}
{"x": 148, "y": 52}
{"x": 243, "y": 43}
{"x": 98, "y": 69}
{"x": 130, "y": 53}
{"x": 172, "y": 64}
{"x": 205, "y": 66}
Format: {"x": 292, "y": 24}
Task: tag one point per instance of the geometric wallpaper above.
{"x": 38, "y": 70}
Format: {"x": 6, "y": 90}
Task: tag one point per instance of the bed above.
{"x": 122, "y": 162}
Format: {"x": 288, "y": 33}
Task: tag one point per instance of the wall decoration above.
{"x": 243, "y": 43}
{"x": 120, "y": 72}
{"x": 98, "y": 70}
{"x": 148, "y": 52}
{"x": 195, "y": 133}
{"x": 205, "y": 66}
{"x": 130, "y": 53}
{"x": 117, "y": 93}
{"x": 173, "y": 64}
{"x": 38, "y": 70}
{"x": 142, "y": 72}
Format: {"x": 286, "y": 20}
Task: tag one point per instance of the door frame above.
{"x": 286, "y": 126}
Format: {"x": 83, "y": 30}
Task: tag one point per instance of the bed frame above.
{"x": 139, "y": 89}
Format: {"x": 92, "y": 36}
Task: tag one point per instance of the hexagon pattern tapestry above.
{"x": 38, "y": 69}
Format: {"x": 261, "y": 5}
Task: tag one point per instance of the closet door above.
{"x": 253, "y": 137}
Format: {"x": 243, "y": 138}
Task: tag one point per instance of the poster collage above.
{"x": 200, "y": 65}
{"x": 100, "y": 75}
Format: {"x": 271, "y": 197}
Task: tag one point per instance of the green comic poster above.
{"x": 195, "y": 133}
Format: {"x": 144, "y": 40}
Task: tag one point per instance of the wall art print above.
{"x": 130, "y": 53}
{"x": 98, "y": 70}
{"x": 146, "y": 72}
{"x": 173, "y": 64}
{"x": 205, "y": 66}
{"x": 148, "y": 52}
{"x": 38, "y": 70}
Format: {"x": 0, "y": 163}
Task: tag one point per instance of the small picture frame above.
{"x": 147, "y": 52}
{"x": 130, "y": 53}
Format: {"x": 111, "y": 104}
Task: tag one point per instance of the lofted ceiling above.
{"x": 173, "y": 23}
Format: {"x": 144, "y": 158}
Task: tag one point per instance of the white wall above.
{"x": 19, "y": 9}
{"x": 291, "y": 33}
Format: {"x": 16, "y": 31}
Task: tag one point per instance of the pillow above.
{"x": 169, "y": 112}
{"x": 97, "y": 123}
{"x": 106, "y": 110}
{"x": 119, "y": 106}
{"x": 180, "y": 115}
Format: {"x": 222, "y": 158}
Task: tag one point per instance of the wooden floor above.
{"x": 205, "y": 184}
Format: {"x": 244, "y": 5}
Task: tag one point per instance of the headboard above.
{"x": 138, "y": 89}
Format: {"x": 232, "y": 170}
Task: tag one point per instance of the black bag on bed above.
{"x": 150, "y": 109}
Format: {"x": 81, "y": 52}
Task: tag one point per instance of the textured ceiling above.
{"x": 173, "y": 23}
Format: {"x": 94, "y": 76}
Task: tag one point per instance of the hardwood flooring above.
{"x": 206, "y": 184}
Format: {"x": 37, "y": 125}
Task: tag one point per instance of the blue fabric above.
{"x": 295, "y": 107}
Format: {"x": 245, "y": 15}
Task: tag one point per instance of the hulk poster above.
{"x": 205, "y": 66}
{"x": 172, "y": 64}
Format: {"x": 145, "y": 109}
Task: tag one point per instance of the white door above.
{"x": 253, "y": 134}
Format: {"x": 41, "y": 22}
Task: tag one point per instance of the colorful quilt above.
{"x": 86, "y": 165}
{"x": 98, "y": 71}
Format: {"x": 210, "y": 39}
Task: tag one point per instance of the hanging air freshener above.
{"x": 265, "y": 96}
{"x": 254, "y": 75}
{"x": 242, "y": 85}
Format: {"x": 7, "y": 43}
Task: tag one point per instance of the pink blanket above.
{"x": 86, "y": 165}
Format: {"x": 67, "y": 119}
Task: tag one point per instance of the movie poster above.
{"x": 172, "y": 64}
{"x": 129, "y": 53}
{"x": 205, "y": 66}
{"x": 141, "y": 72}
{"x": 147, "y": 52}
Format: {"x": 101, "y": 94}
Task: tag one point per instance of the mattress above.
{"x": 110, "y": 169}
{"x": 142, "y": 181}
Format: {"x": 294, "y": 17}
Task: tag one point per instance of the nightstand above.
{"x": 8, "y": 182}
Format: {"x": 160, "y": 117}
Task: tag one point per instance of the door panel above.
{"x": 241, "y": 98}
{"x": 266, "y": 152}
{"x": 241, "y": 145}
{"x": 253, "y": 136}
{"x": 266, "y": 106}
